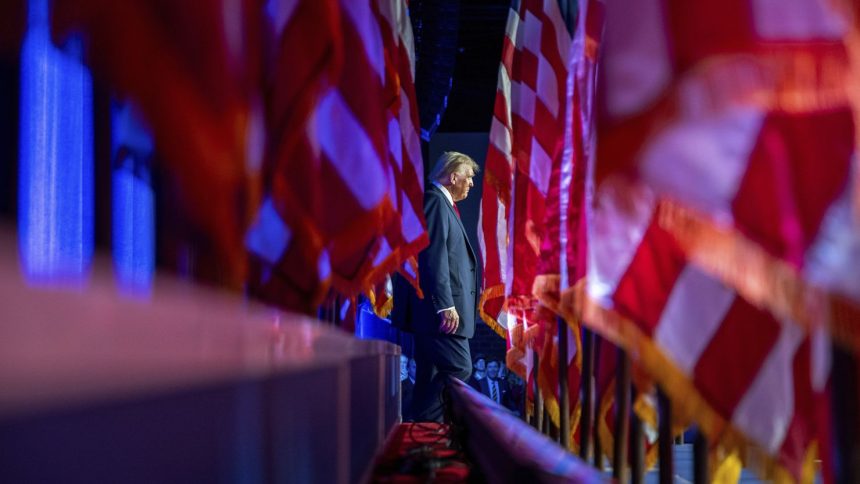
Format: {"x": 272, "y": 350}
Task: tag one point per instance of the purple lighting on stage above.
{"x": 56, "y": 157}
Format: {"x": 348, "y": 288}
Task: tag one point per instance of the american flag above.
{"x": 753, "y": 138}
{"x": 406, "y": 238}
{"x": 344, "y": 168}
{"x": 525, "y": 136}
{"x": 288, "y": 267}
{"x": 750, "y": 381}
{"x": 739, "y": 143}
{"x": 493, "y": 236}
{"x": 526, "y": 147}
{"x": 563, "y": 250}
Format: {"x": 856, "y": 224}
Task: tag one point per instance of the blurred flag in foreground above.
{"x": 724, "y": 153}
{"x": 342, "y": 168}
{"x": 290, "y": 139}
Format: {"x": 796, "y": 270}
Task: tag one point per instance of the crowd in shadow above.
{"x": 489, "y": 376}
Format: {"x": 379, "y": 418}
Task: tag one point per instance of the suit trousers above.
{"x": 437, "y": 357}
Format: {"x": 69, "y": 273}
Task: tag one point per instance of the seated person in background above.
{"x": 494, "y": 387}
{"x": 404, "y": 367}
{"x": 516, "y": 393}
{"x": 479, "y": 372}
{"x": 407, "y": 385}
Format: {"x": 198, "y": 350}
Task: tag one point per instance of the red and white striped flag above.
{"x": 342, "y": 192}
{"x": 563, "y": 262}
{"x": 740, "y": 142}
{"x": 288, "y": 265}
{"x": 522, "y": 173}
{"x": 408, "y": 237}
{"x": 496, "y": 198}
{"x": 525, "y": 138}
{"x": 748, "y": 139}
{"x": 751, "y": 382}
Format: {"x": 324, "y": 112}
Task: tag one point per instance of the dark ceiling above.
{"x": 479, "y": 48}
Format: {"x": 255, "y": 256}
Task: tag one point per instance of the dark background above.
{"x": 476, "y": 68}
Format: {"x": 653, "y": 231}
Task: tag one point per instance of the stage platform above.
{"x": 182, "y": 384}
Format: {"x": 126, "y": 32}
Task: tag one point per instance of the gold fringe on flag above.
{"x": 551, "y": 405}
{"x": 497, "y": 291}
{"x": 384, "y": 310}
{"x": 763, "y": 280}
{"x": 726, "y": 469}
{"x": 643, "y": 410}
{"x": 549, "y": 363}
{"x": 687, "y": 403}
{"x": 517, "y": 352}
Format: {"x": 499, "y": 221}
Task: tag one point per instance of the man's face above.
{"x": 493, "y": 369}
{"x": 404, "y": 362}
{"x": 480, "y": 364}
{"x": 461, "y": 182}
{"x": 412, "y": 369}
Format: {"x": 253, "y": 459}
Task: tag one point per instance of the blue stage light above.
{"x": 133, "y": 231}
{"x": 56, "y": 157}
{"x": 133, "y": 203}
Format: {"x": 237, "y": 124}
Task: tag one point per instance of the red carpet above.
{"x": 421, "y": 452}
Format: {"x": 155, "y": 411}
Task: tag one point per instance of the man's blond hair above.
{"x": 450, "y": 162}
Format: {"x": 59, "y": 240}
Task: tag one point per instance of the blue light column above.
{"x": 56, "y": 157}
{"x": 133, "y": 202}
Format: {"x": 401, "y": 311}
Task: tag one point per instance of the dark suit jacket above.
{"x": 407, "y": 389}
{"x": 447, "y": 272}
{"x": 504, "y": 391}
{"x": 475, "y": 382}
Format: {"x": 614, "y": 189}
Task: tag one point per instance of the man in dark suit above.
{"x": 479, "y": 372}
{"x": 407, "y": 386}
{"x": 494, "y": 387}
{"x": 444, "y": 320}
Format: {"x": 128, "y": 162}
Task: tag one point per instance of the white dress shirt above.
{"x": 445, "y": 192}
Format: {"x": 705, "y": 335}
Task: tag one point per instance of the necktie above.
{"x": 457, "y": 210}
{"x": 494, "y": 393}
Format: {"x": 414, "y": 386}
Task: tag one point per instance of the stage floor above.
{"x": 421, "y": 452}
